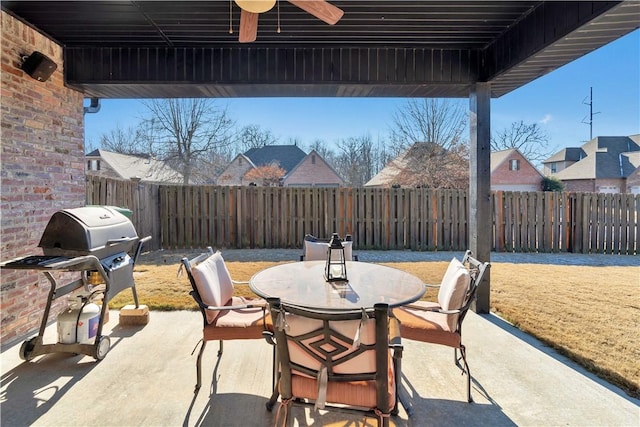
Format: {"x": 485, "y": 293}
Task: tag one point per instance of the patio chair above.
{"x": 335, "y": 360}
{"x": 315, "y": 249}
{"x": 225, "y": 317}
{"x": 441, "y": 322}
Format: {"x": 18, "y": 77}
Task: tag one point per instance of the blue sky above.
{"x": 556, "y": 101}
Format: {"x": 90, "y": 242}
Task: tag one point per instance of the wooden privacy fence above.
{"x": 418, "y": 219}
{"x": 140, "y": 198}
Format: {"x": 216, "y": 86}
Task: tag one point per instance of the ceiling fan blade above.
{"x": 248, "y": 27}
{"x": 321, "y": 9}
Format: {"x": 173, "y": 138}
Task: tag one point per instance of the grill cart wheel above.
{"x": 26, "y": 348}
{"x": 102, "y": 347}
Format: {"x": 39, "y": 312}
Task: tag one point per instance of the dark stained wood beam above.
{"x": 480, "y": 229}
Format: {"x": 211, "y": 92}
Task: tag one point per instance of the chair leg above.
{"x": 465, "y": 369}
{"x": 199, "y": 367}
{"x": 273, "y": 399}
{"x": 274, "y": 382}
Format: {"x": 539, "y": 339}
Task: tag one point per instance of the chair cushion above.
{"x": 355, "y": 393}
{"x": 453, "y": 290}
{"x": 214, "y": 283}
{"x": 426, "y": 326}
{"x": 317, "y": 251}
{"x": 246, "y": 323}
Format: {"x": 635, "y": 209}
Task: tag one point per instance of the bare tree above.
{"x": 530, "y": 139}
{"x": 428, "y": 137}
{"x": 440, "y": 121}
{"x": 122, "y": 141}
{"x": 323, "y": 149}
{"x": 357, "y": 160}
{"x": 431, "y": 166}
{"x": 187, "y": 131}
{"x": 252, "y": 136}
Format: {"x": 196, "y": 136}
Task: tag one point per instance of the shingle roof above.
{"x": 606, "y": 157}
{"x": 571, "y": 154}
{"x": 397, "y": 165}
{"x": 146, "y": 168}
{"x": 287, "y": 156}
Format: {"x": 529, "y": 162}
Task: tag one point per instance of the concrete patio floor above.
{"x": 148, "y": 377}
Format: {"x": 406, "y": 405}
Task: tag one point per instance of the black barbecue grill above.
{"x": 102, "y": 244}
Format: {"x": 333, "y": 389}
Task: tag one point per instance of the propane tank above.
{"x": 79, "y": 322}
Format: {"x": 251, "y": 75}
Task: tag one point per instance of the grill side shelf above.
{"x": 87, "y": 262}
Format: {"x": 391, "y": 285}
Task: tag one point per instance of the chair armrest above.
{"x": 256, "y": 304}
{"x": 449, "y": 311}
{"x": 422, "y": 308}
{"x": 433, "y": 309}
{"x": 395, "y": 338}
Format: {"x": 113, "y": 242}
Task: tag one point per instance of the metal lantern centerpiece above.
{"x": 336, "y": 268}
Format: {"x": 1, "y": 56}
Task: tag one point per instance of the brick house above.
{"x": 511, "y": 171}
{"x": 123, "y": 166}
{"x": 313, "y": 171}
{"x": 301, "y": 170}
{"x": 42, "y": 169}
{"x": 416, "y": 167}
{"x": 606, "y": 164}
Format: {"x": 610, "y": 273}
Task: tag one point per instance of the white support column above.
{"x": 480, "y": 230}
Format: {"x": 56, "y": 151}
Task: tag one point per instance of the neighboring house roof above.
{"x": 569, "y": 154}
{"x": 286, "y": 156}
{"x": 633, "y": 158}
{"x": 299, "y": 170}
{"x": 606, "y": 157}
{"x": 145, "y": 168}
{"x": 395, "y": 166}
{"x": 389, "y": 172}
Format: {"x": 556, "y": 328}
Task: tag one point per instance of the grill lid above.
{"x": 90, "y": 230}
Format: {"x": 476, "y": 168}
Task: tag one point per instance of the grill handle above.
{"x": 139, "y": 248}
{"x": 121, "y": 240}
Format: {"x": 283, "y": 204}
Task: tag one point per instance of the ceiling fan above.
{"x": 321, "y": 9}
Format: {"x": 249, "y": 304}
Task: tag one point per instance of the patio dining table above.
{"x": 303, "y": 284}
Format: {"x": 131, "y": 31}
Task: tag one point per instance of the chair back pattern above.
{"x": 334, "y": 347}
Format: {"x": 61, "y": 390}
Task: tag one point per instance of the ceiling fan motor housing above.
{"x": 256, "y": 6}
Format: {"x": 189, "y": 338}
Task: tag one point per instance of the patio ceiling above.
{"x": 400, "y": 48}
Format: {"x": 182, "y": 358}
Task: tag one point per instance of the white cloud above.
{"x": 546, "y": 119}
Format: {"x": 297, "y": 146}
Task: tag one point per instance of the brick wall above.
{"x": 604, "y": 185}
{"x": 633, "y": 180}
{"x": 526, "y": 175}
{"x": 313, "y": 172}
{"x": 579, "y": 185}
{"x": 233, "y": 173}
{"x": 42, "y": 169}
